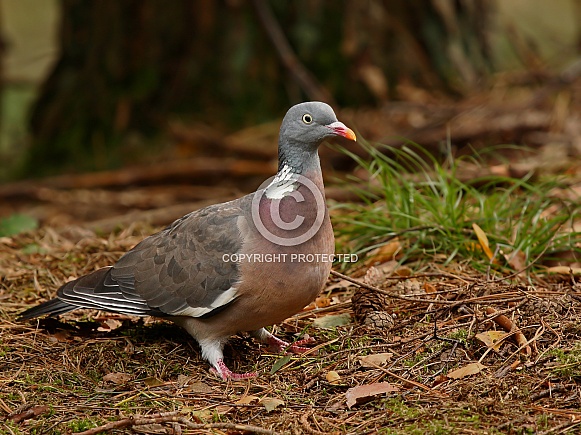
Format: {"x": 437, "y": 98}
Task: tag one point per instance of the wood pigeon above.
{"x": 232, "y": 267}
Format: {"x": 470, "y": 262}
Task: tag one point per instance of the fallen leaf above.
{"x": 564, "y": 270}
{"x": 201, "y": 414}
{"x": 333, "y": 377}
{"x": 320, "y": 302}
{"x": 33, "y": 411}
{"x": 222, "y": 409}
{"x": 483, "y": 239}
{"x": 517, "y": 260}
{"x": 491, "y": 339}
{"x": 247, "y": 400}
{"x": 384, "y": 253}
{"x": 365, "y": 393}
{"x": 271, "y": 403}
{"x": 109, "y": 325}
{"x": 199, "y": 387}
{"x": 117, "y": 378}
{"x": 153, "y": 381}
{"x": 439, "y": 380}
{"x": 467, "y": 370}
{"x": 331, "y": 321}
{"x": 60, "y": 336}
{"x": 403, "y": 271}
{"x": 376, "y": 359}
{"x": 279, "y": 364}
{"x": 183, "y": 380}
{"x": 429, "y": 288}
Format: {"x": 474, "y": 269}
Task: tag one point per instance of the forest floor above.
{"x": 452, "y": 350}
{"x": 476, "y": 355}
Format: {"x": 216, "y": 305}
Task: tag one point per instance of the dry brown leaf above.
{"x": 365, "y": 393}
{"x": 483, "y": 239}
{"x": 199, "y": 387}
{"x": 467, "y": 370}
{"x": 491, "y": 339}
{"x": 320, "y": 302}
{"x": 429, "y": 288}
{"x": 202, "y": 415}
{"x": 403, "y": 271}
{"x": 517, "y": 260}
{"x": 271, "y": 403}
{"x": 247, "y": 400}
{"x": 331, "y": 321}
{"x": 60, "y": 336}
{"x": 32, "y": 412}
{"x": 223, "y": 409}
{"x": 153, "y": 382}
{"x": 333, "y": 377}
{"x": 109, "y": 325}
{"x": 117, "y": 378}
{"x": 564, "y": 270}
{"x": 439, "y": 380}
{"x": 383, "y": 254}
{"x": 376, "y": 359}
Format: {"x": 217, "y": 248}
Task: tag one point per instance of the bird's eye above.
{"x": 307, "y": 119}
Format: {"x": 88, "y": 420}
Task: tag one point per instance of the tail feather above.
{"x": 52, "y": 307}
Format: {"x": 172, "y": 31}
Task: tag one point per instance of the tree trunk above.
{"x": 126, "y": 66}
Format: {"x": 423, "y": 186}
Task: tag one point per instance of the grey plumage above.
{"x": 186, "y": 272}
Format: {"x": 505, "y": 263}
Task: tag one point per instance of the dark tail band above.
{"x": 52, "y": 308}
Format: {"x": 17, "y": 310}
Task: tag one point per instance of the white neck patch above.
{"x": 283, "y": 183}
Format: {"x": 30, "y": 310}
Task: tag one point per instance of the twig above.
{"x": 538, "y": 333}
{"x": 514, "y": 422}
{"x": 561, "y": 428}
{"x": 475, "y": 300}
{"x": 304, "y": 78}
{"x": 409, "y": 381}
{"x": 547, "y": 393}
{"x": 171, "y": 417}
{"x": 505, "y": 311}
{"x": 305, "y": 423}
{"x": 29, "y": 412}
{"x": 390, "y": 294}
{"x": 506, "y": 324}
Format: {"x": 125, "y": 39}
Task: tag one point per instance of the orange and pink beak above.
{"x": 342, "y": 130}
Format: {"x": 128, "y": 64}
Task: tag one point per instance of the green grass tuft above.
{"x": 411, "y": 196}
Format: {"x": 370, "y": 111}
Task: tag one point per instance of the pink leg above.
{"x": 221, "y": 369}
{"x": 280, "y": 345}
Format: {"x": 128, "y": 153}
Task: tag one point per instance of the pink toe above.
{"x": 279, "y": 345}
{"x": 226, "y": 373}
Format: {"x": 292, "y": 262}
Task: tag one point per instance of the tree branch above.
{"x": 303, "y": 77}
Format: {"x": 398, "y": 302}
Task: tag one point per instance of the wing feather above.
{"x": 178, "y": 271}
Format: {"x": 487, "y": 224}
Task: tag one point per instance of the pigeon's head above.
{"x": 308, "y": 124}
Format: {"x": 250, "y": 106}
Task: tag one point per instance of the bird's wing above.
{"x": 183, "y": 270}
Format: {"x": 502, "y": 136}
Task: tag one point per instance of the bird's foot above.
{"x": 225, "y": 373}
{"x": 278, "y": 345}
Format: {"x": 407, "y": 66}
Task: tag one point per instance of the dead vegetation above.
{"x": 464, "y": 355}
